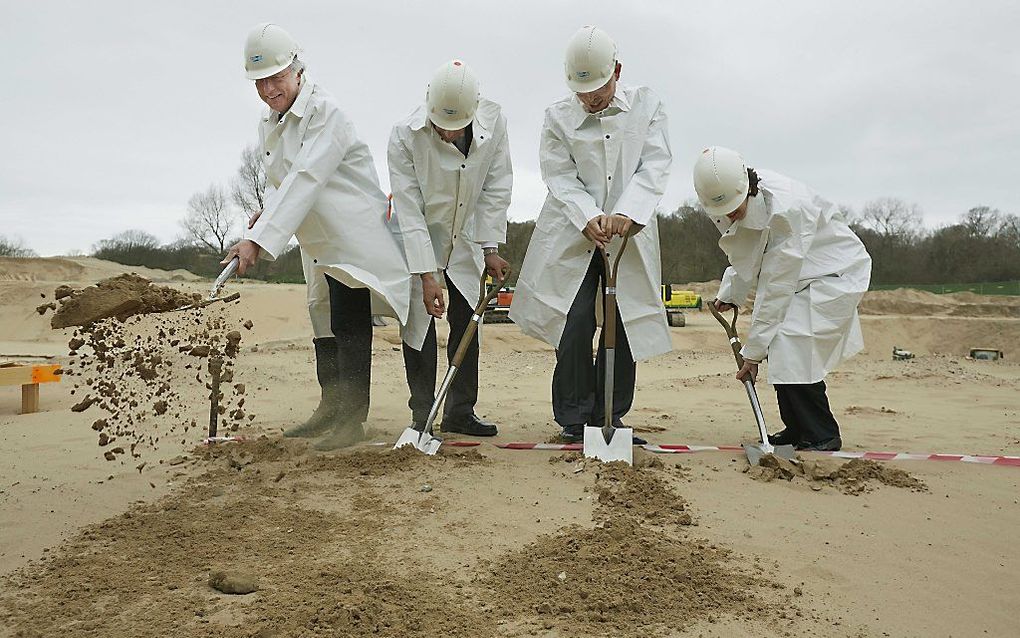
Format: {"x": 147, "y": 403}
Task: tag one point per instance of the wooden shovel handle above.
{"x": 610, "y": 298}
{"x": 731, "y": 332}
{"x": 483, "y": 301}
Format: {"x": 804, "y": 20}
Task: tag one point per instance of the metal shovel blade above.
{"x": 421, "y": 441}
{"x": 755, "y": 451}
{"x": 619, "y": 447}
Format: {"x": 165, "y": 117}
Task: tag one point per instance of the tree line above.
{"x": 982, "y": 246}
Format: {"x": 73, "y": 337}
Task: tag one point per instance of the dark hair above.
{"x": 752, "y": 182}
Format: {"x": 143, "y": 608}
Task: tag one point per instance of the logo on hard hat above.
{"x": 582, "y": 75}
{"x": 719, "y": 198}
{"x": 450, "y": 111}
{"x": 256, "y": 58}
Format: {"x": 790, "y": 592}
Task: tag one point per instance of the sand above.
{"x": 473, "y": 542}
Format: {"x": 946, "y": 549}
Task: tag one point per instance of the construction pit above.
{"x": 266, "y": 537}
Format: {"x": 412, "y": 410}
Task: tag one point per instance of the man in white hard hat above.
{"x": 605, "y": 159}
{"x": 808, "y": 271}
{"x": 323, "y": 189}
{"x": 451, "y": 178}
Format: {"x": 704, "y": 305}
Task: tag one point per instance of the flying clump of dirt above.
{"x": 129, "y": 356}
{"x": 122, "y": 296}
{"x": 856, "y": 476}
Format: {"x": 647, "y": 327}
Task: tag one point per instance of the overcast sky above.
{"x": 114, "y": 113}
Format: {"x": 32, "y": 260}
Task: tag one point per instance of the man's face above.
{"x": 597, "y": 100}
{"x": 740, "y": 213}
{"x": 280, "y": 90}
{"x": 450, "y": 136}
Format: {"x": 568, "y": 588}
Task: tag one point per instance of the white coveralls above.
{"x": 448, "y": 206}
{"x": 616, "y": 161}
{"x": 809, "y": 272}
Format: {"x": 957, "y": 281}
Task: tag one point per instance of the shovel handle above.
{"x": 731, "y": 332}
{"x": 483, "y": 302}
{"x": 609, "y": 333}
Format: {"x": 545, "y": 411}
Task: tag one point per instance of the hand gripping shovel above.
{"x": 422, "y": 438}
{"x": 754, "y": 451}
{"x": 608, "y": 443}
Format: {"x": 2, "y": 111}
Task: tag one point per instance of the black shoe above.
{"x": 572, "y": 433}
{"x": 828, "y": 445}
{"x": 784, "y": 437}
{"x": 470, "y": 425}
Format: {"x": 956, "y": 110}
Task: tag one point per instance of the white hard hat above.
{"x": 452, "y": 96}
{"x": 268, "y": 50}
{"x": 720, "y": 178}
{"x": 590, "y": 61}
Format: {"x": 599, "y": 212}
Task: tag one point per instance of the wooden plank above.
{"x": 29, "y": 398}
{"x": 22, "y": 375}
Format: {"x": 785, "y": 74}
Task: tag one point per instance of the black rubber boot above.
{"x": 343, "y": 435}
{"x": 326, "y": 415}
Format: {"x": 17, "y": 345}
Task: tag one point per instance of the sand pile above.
{"x": 856, "y": 476}
{"x": 122, "y": 296}
{"x": 635, "y": 573}
{"x": 129, "y": 369}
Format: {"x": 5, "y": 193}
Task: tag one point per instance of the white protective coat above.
{"x": 616, "y": 161}
{"x": 323, "y": 189}
{"x": 448, "y": 205}
{"x": 809, "y": 272}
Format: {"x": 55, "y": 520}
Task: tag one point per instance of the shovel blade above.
{"x": 421, "y": 441}
{"x": 619, "y": 448}
{"x": 755, "y": 451}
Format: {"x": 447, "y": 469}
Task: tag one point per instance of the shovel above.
{"x": 217, "y": 287}
{"x": 422, "y": 439}
{"x": 608, "y": 443}
{"x": 754, "y": 451}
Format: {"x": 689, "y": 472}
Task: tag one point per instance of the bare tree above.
{"x": 982, "y": 221}
{"x": 892, "y": 217}
{"x": 14, "y": 247}
{"x": 248, "y": 188}
{"x": 128, "y": 240}
{"x": 208, "y": 222}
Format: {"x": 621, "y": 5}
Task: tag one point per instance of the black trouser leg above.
{"x": 786, "y": 411}
{"x": 810, "y": 409}
{"x": 350, "y": 311}
{"x": 420, "y": 368}
{"x": 574, "y": 381}
{"x": 463, "y": 394}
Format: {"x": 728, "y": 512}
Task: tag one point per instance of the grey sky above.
{"x": 116, "y": 112}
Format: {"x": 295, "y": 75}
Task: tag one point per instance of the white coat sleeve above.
{"x": 645, "y": 188}
{"x": 409, "y": 207}
{"x": 328, "y": 138}
{"x": 559, "y": 172}
{"x": 733, "y": 289}
{"x": 494, "y": 199}
{"x": 790, "y": 236}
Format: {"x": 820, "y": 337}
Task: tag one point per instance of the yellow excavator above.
{"x": 676, "y": 301}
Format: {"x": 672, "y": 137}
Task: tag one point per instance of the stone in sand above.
{"x": 233, "y": 582}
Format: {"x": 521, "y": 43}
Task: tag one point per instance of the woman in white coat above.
{"x": 323, "y": 189}
{"x": 451, "y": 178}
{"x": 808, "y": 271}
{"x": 605, "y": 159}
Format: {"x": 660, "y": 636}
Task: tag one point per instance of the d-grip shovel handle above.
{"x": 731, "y": 332}
{"x": 483, "y": 301}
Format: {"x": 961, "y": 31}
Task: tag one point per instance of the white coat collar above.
{"x": 757, "y": 217}
{"x": 619, "y": 102}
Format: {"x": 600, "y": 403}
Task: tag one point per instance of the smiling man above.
{"x": 605, "y": 159}
{"x": 323, "y": 189}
